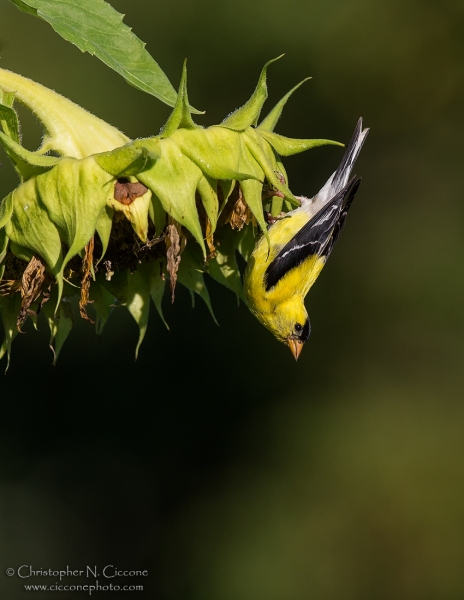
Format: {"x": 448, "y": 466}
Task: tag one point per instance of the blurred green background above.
{"x": 215, "y": 462}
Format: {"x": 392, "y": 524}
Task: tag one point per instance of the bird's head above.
{"x": 289, "y": 322}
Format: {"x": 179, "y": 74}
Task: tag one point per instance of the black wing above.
{"x": 318, "y": 236}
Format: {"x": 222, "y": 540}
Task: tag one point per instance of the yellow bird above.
{"x": 278, "y": 277}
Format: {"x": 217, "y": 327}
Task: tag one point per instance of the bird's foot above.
{"x": 271, "y": 220}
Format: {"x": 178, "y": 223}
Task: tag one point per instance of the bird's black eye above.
{"x": 302, "y": 331}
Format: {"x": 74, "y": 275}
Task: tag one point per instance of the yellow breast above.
{"x": 296, "y": 282}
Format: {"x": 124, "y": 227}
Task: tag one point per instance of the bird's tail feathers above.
{"x": 352, "y": 151}
{"x": 339, "y": 179}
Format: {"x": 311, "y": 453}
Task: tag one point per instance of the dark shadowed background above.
{"x": 216, "y": 462}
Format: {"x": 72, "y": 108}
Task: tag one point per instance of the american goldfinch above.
{"x": 280, "y": 274}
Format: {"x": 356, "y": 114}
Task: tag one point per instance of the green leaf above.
{"x": 133, "y": 291}
{"x": 7, "y": 99}
{"x": 224, "y": 268}
{"x": 287, "y": 146}
{"x": 30, "y": 226}
{"x": 190, "y": 275}
{"x": 103, "y": 304}
{"x": 157, "y": 214}
{"x": 60, "y": 206}
{"x": 263, "y": 153}
{"x": 24, "y": 7}
{"x": 227, "y": 187}
{"x": 180, "y": 118}
{"x": 174, "y": 180}
{"x": 247, "y": 241}
{"x": 24, "y": 254}
{"x": 281, "y": 172}
{"x": 157, "y": 287}
{"x": 6, "y": 209}
{"x": 8, "y": 117}
{"x": 103, "y": 228}
{"x": 287, "y": 205}
{"x": 27, "y": 164}
{"x": 207, "y": 189}
{"x": 219, "y": 152}
{"x": 249, "y": 113}
{"x": 74, "y": 194}
{"x": 9, "y": 311}
{"x": 138, "y": 300}
{"x": 117, "y": 285}
{"x": 94, "y": 26}
{"x": 252, "y": 190}
{"x": 276, "y": 206}
{"x": 269, "y": 123}
{"x": 60, "y": 322}
{"x": 127, "y": 160}
{"x": 3, "y": 245}
{"x": 65, "y": 323}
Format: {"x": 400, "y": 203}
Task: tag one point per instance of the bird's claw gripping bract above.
{"x": 172, "y": 206}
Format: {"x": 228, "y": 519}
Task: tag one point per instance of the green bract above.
{"x": 108, "y": 220}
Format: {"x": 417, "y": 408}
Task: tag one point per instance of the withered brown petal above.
{"x": 210, "y": 239}
{"x": 241, "y": 214}
{"x": 87, "y": 265}
{"x": 175, "y": 244}
{"x": 126, "y": 192}
{"x": 31, "y": 287}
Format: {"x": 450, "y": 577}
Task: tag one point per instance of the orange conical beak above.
{"x": 296, "y": 346}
